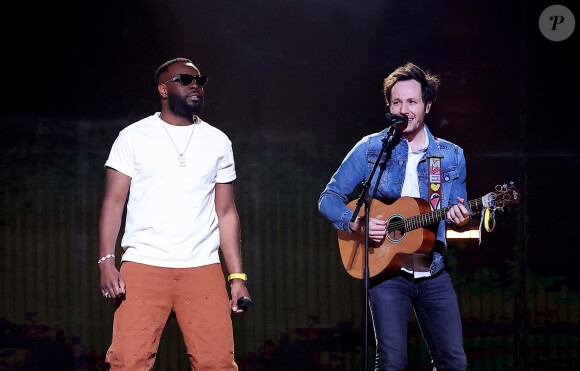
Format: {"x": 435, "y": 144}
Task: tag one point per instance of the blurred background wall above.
{"x": 295, "y": 84}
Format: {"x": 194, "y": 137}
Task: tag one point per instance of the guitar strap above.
{"x": 434, "y": 165}
{"x": 420, "y": 262}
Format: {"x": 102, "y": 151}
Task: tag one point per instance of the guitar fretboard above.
{"x": 432, "y": 217}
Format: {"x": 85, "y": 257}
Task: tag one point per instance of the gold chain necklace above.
{"x": 180, "y": 156}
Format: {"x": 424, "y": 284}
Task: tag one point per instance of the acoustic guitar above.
{"x": 411, "y": 228}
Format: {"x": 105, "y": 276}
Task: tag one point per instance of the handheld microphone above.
{"x": 244, "y": 303}
{"x": 395, "y": 119}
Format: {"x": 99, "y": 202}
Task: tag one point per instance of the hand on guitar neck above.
{"x": 458, "y": 214}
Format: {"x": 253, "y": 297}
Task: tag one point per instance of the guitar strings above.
{"x": 418, "y": 221}
{"x": 421, "y": 220}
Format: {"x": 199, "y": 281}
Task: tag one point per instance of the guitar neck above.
{"x": 435, "y": 216}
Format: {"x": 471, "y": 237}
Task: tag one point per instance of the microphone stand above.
{"x": 364, "y": 198}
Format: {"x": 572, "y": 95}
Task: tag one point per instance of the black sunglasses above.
{"x": 186, "y": 80}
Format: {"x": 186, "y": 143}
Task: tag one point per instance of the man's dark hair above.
{"x": 429, "y": 83}
{"x": 165, "y": 66}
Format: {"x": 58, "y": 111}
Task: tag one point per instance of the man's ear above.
{"x": 428, "y": 107}
{"x": 162, "y": 89}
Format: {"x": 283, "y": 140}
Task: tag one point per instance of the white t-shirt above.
{"x": 411, "y": 181}
{"x": 411, "y": 184}
{"x": 171, "y": 218}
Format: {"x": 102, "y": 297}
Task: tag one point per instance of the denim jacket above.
{"x": 358, "y": 164}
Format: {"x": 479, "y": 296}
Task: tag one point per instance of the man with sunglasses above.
{"x": 177, "y": 171}
{"x": 418, "y": 165}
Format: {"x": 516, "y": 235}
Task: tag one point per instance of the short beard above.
{"x": 179, "y": 106}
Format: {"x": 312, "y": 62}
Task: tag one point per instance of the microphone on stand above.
{"x": 395, "y": 119}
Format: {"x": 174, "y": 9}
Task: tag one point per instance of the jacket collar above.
{"x": 434, "y": 148}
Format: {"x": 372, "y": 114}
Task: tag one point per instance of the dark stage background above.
{"x": 294, "y": 84}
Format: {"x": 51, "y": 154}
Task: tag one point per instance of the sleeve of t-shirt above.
{"x": 226, "y": 167}
{"x": 121, "y": 156}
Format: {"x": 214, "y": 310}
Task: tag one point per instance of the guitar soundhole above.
{"x": 396, "y": 229}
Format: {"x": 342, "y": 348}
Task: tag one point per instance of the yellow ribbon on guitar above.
{"x": 486, "y": 218}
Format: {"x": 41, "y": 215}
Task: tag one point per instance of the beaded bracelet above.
{"x": 105, "y": 258}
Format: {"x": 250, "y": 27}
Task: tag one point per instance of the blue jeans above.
{"x": 435, "y": 304}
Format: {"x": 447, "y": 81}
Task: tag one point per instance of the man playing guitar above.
{"x": 421, "y": 166}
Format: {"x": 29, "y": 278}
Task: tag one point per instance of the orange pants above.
{"x": 199, "y": 298}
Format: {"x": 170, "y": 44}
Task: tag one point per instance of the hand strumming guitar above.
{"x": 377, "y": 228}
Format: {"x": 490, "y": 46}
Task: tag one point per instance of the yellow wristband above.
{"x": 241, "y": 276}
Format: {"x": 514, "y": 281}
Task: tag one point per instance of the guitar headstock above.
{"x": 504, "y": 195}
